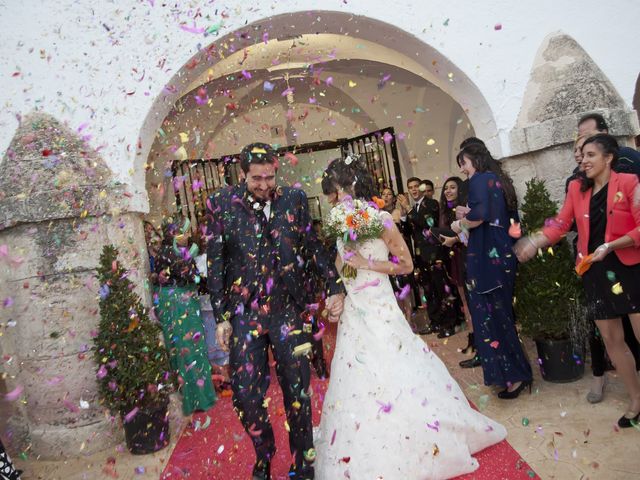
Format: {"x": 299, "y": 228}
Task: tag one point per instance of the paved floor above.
{"x": 555, "y": 430}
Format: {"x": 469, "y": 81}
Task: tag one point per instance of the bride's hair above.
{"x": 350, "y": 175}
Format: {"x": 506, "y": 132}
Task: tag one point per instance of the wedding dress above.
{"x": 392, "y": 411}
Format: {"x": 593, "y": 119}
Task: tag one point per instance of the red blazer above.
{"x": 623, "y": 216}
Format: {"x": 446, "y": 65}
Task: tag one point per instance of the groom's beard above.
{"x": 263, "y": 195}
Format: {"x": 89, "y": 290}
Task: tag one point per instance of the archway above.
{"x": 354, "y": 62}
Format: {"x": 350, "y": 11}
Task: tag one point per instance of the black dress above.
{"x": 611, "y": 288}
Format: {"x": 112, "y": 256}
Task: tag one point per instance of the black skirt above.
{"x": 611, "y": 288}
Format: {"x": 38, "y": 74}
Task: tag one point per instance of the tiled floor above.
{"x": 565, "y": 437}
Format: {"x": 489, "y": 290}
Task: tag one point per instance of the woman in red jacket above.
{"x": 606, "y": 208}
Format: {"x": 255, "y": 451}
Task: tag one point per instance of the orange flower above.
{"x": 350, "y": 222}
{"x": 379, "y": 202}
{"x": 364, "y": 214}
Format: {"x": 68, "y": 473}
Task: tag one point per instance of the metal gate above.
{"x": 380, "y": 152}
{"x": 195, "y": 180}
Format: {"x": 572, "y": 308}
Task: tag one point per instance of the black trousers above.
{"x": 253, "y": 335}
{"x": 599, "y": 363}
{"x": 444, "y": 306}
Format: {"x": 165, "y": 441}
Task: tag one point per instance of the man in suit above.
{"x": 424, "y": 214}
{"x": 260, "y": 248}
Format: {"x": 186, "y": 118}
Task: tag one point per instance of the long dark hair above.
{"x": 608, "y": 146}
{"x": 350, "y": 175}
{"x": 447, "y": 211}
{"x": 482, "y": 161}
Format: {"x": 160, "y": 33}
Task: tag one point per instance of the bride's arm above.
{"x": 397, "y": 247}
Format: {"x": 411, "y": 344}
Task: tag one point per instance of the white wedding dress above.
{"x": 392, "y": 410}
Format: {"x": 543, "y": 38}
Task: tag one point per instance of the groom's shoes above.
{"x": 428, "y": 330}
{"x": 262, "y": 470}
{"x": 446, "y": 332}
{"x": 320, "y": 366}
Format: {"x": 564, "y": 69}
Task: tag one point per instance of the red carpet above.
{"x": 220, "y": 450}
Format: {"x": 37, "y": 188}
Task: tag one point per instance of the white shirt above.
{"x": 267, "y": 209}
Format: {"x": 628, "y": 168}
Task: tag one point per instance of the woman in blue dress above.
{"x": 491, "y": 271}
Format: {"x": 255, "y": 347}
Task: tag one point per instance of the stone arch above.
{"x": 375, "y": 39}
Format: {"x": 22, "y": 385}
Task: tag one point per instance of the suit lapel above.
{"x": 246, "y": 223}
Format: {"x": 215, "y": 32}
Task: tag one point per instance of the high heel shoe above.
{"x": 470, "y": 348}
{"x": 597, "y": 396}
{"x": 509, "y": 395}
{"x": 626, "y": 422}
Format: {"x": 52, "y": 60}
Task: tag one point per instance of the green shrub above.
{"x": 548, "y": 291}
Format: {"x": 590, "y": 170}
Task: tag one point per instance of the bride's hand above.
{"x": 355, "y": 260}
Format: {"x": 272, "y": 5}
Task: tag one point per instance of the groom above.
{"x": 261, "y": 246}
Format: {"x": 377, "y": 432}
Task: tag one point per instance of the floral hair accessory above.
{"x": 351, "y": 158}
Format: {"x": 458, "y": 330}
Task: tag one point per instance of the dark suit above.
{"x": 442, "y": 302}
{"x": 258, "y": 281}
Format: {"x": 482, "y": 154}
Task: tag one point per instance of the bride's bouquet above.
{"x": 354, "y": 220}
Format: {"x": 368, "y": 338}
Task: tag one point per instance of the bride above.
{"x": 392, "y": 411}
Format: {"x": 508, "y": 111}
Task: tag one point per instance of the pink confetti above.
{"x": 193, "y": 29}
{"x": 402, "y": 294}
{"x": 14, "y": 394}
{"x": 497, "y": 26}
{"x": 333, "y": 437}
{"x": 4, "y": 250}
{"x": 372, "y": 283}
{"x": 102, "y": 372}
{"x": 293, "y": 160}
{"x": 384, "y": 407}
{"x": 319, "y": 335}
{"x": 72, "y": 407}
{"x": 55, "y": 380}
{"x": 129, "y": 416}
{"x": 494, "y": 344}
{"x": 435, "y": 426}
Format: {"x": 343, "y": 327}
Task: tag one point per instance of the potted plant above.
{"x": 133, "y": 369}
{"x": 549, "y": 295}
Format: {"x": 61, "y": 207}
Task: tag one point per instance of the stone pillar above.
{"x": 58, "y": 207}
{"x": 565, "y": 84}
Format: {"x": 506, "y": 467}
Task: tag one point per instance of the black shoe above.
{"x": 507, "y": 395}
{"x": 626, "y": 422}
{"x": 447, "y": 332}
{"x": 320, "y": 366}
{"x": 471, "y": 362}
{"x": 262, "y": 470}
{"x": 294, "y": 473}
{"x": 470, "y": 348}
{"x": 428, "y": 330}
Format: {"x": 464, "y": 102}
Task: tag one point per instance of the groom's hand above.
{"x": 223, "y": 334}
{"x": 335, "y": 305}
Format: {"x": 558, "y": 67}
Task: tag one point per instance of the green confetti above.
{"x": 525, "y": 422}
{"x": 483, "y": 401}
{"x": 213, "y": 28}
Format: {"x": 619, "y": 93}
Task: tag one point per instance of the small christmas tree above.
{"x": 133, "y": 368}
{"x": 547, "y": 288}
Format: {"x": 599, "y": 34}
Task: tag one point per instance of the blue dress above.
{"x": 491, "y": 272}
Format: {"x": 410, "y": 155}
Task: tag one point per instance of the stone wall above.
{"x": 58, "y": 208}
